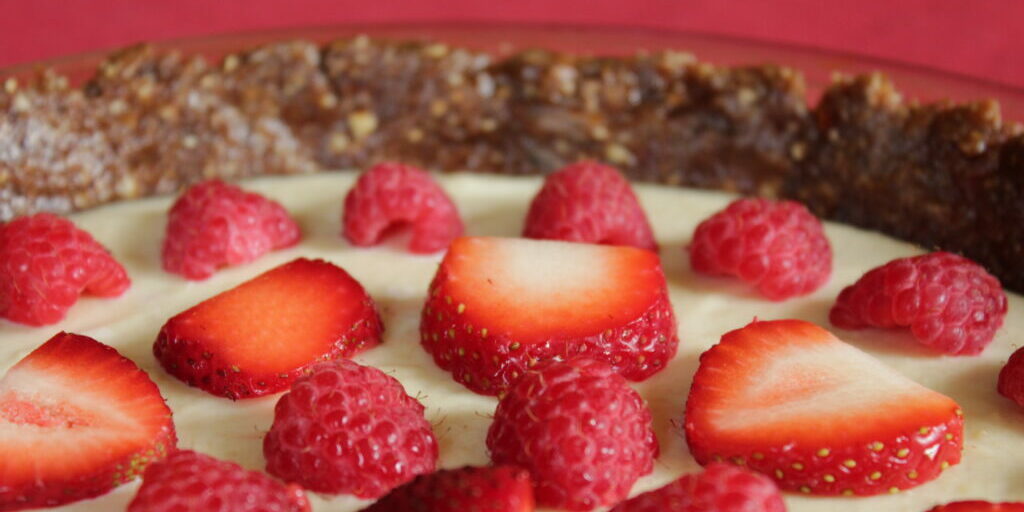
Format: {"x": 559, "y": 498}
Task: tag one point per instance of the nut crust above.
{"x": 150, "y": 122}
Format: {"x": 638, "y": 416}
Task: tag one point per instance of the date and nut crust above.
{"x": 941, "y": 175}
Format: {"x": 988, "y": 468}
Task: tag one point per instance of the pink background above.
{"x": 982, "y": 38}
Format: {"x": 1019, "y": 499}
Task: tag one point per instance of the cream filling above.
{"x": 492, "y": 205}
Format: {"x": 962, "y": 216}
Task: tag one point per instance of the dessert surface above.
{"x": 492, "y": 205}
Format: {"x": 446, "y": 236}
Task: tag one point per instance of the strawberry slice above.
{"x": 500, "y": 305}
{"x": 76, "y": 420}
{"x": 978, "y": 506}
{"x": 256, "y": 338}
{"x": 790, "y": 400}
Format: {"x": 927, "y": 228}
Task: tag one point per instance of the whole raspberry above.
{"x": 777, "y": 246}
{"x": 589, "y": 202}
{"x": 187, "y": 480}
{"x": 949, "y": 302}
{"x": 393, "y": 195}
{"x": 1011, "y": 378}
{"x": 214, "y": 224}
{"x": 46, "y": 263}
{"x": 488, "y": 489}
{"x": 720, "y": 488}
{"x": 349, "y": 429}
{"x": 584, "y": 435}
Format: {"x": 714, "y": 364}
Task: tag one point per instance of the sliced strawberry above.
{"x": 257, "y": 338}
{"x": 500, "y": 305}
{"x": 790, "y": 400}
{"x": 76, "y": 420}
{"x": 978, "y": 506}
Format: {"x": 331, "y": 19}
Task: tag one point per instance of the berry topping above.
{"x": 187, "y": 481}
{"x": 494, "y": 489}
{"x": 392, "y": 196}
{"x": 1011, "y": 378}
{"x": 777, "y": 246}
{"x": 581, "y": 431}
{"x": 589, "y": 202}
{"x": 214, "y": 224}
{"x": 498, "y": 305}
{"x": 788, "y": 399}
{"x": 76, "y": 420}
{"x": 949, "y": 302}
{"x": 256, "y": 338}
{"x": 979, "y": 506}
{"x": 720, "y": 488}
{"x": 349, "y": 429}
{"x": 46, "y": 263}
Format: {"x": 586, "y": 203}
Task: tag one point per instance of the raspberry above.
{"x": 584, "y": 435}
{"x": 1011, "y": 378}
{"x": 589, "y": 202}
{"x": 720, "y": 488}
{"x": 187, "y": 480}
{"x": 496, "y": 489}
{"x": 349, "y": 429}
{"x": 214, "y": 224}
{"x": 46, "y": 263}
{"x": 777, "y": 246}
{"x": 393, "y": 195}
{"x": 949, "y": 302}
